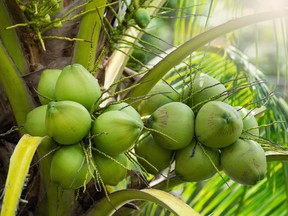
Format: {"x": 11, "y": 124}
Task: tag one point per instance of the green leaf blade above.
{"x": 119, "y": 198}
{"x": 17, "y": 174}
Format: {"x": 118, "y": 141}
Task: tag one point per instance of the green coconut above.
{"x": 159, "y": 95}
{"x": 77, "y": 84}
{"x": 69, "y": 168}
{"x": 250, "y": 124}
{"x": 244, "y": 162}
{"x": 115, "y": 132}
{"x": 67, "y": 122}
{"x": 152, "y": 156}
{"x": 173, "y": 125}
{"x": 142, "y": 17}
{"x": 112, "y": 170}
{"x": 193, "y": 164}
{"x": 203, "y": 89}
{"x": 217, "y": 124}
{"x": 126, "y": 108}
{"x": 46, "y": 85}
{"x": 35, "y": 121}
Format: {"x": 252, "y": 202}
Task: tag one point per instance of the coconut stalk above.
{"x": 121, "y": 55}
{"x": 273, "y": 156}
{"x": 89, "y": 30}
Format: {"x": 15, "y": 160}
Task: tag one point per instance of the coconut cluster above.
{"x": 196, "y": 130}
{"x": 87, "y": 144}
{"x": 200, "y": 132}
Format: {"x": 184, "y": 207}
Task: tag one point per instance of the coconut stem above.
{"x": 145, "y": 119}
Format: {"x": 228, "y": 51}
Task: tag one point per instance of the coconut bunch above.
{"x": 201, "y": 133}
{"x": 86, "y": 143}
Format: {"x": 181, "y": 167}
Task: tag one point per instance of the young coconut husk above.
{"x": 196, "y": 163}
{"x": 217, "y": 124}
{"x": 172, "y": 125}
{"x": 67, "y": 122}
{"x": 244, "y": 162}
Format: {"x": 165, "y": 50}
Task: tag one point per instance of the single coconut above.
{"x": 250, "y": 124}
{"x": 159, "y": 95}
{"x": 67, "y": 122}
{"x": 173, "y": 125}
{"x": 202, "y": 89}
{"x": 126, "y": 108}
{"x": 244, "y": 162}
{"x": 195, "y": 163}
{"x": 35, "y": 121}
{"x": 115, "y": 132}
{"x": 142, "y": 17}
{"x": 46, "y": 85}
{"x": 152, "y": 156}
{"x": 77, "y": 84}
{"x": 69, "y": 168}
{"x": 218, "y": 125}
{"x": 111, "y": 170}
